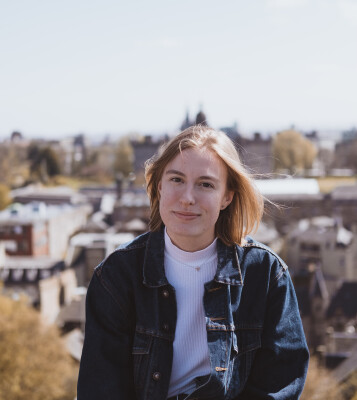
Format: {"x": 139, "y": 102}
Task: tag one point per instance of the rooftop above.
{"x": 88, "y": 239}
{"x": 29, "y": 269}
{"x": 29, "y": 262}
{"x": 344, "y": 193}
{"x": 318, "y": 229}
{"x": 288, "y": 186}
{"x": 132, "y": 199}
{"x": 58, "y": 194}
{"x": 21, "y": 214}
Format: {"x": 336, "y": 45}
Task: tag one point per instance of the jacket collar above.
{"x": 228, "y": 269}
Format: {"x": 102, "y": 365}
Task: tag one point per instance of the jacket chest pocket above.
{"x": 141, "y": 359}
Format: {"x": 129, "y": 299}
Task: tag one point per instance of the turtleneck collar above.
{"x": 188, "y": 257}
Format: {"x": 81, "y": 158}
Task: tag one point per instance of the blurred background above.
{"x": 90, "y": 89}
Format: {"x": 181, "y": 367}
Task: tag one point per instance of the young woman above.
{"x": 194, "y": 309}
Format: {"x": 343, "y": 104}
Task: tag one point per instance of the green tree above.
{"x": 293, "y": 152}
{"x": 33, "y": 361}
{"x": 124, "y": 157}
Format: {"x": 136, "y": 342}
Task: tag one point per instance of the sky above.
{"x": 115, "y": 67}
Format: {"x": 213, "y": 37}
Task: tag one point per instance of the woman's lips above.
{"x": 185, "y": 215}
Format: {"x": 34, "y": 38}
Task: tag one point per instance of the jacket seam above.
{"x": 283, "y": 266}
{"x": 130, "y": 247}
{"x": 152, "y": 333}
{"x": 105, "y": 286}
{"x": 119, "y": 250}
{"x": 238, "y": 264}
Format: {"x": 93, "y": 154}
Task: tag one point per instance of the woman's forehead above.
{"x": 199, "y": 160}
{"x": 202, "y": 152}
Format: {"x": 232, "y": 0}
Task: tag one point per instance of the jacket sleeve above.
{"x": 106, "y": 364}
{"x": 280, "y": 365}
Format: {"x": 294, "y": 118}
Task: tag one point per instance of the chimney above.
{"x": 119, "y": 184}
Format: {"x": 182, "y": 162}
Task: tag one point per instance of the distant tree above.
{"x": 52, "y": 163}
{"x": 4, "y": 196}
{"x": 13, "y": 165}
{"x": 292, "y": 152}
{"x": 33, "y": 152}
{"x": 124, "y": 157}
{"x": 44, "y": 162}
{"x": 33, "y": 361}
{"x": 34, "y": 155}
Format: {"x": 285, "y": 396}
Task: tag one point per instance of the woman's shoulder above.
{"x": 127, "y": 256}
{"x": 254, "y": 249}
{"x": 136, "y": 243}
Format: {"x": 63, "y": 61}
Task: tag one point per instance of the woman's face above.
{"x": 193, "y": 191}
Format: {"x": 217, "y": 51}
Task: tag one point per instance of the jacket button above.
{"x": 165, "y": 293}
{"x": 165, "y": 327}
{"x": 156, "y": 376}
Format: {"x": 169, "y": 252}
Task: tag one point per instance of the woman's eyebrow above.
{"x": 205, "y": 177}
{"x": 174, "y": 171}
{"x": 209, "y": 178}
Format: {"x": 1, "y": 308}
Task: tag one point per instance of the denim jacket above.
{"x": 255, "y": 337}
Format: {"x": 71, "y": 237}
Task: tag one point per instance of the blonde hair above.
{"x": 243, "y": 214}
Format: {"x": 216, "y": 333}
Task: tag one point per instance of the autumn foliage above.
{"x": 34, "y": 364}
{"x": 293, "y": 152}
{"x": 319, "y": 384}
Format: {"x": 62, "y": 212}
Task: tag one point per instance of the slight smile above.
{"x": 186, "y": 216}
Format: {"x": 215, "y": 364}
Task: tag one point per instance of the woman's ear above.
{"x": 227, "y": 200}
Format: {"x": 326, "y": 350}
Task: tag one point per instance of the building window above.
{"x": 4, "y": 274}
{"x": 307, "y": 246}
{"x": 23, "y": 246}
{"x": 18, "y": 230}
{"x": 31, "y": 274}
{"x": 10, "y": 246}
{"x": 45, "y": 273}
{"x": 17, "y": 274}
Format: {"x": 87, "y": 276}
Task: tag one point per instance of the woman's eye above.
{"x": 207, "y": 185}
{"x": 175, "y": 179}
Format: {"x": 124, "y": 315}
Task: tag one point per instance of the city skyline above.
{"x": 111, "y": 68}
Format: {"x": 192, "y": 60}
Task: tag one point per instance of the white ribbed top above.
{"x": 187, "y": 272}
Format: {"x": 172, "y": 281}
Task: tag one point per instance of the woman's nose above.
{"x": 187, "y": 196}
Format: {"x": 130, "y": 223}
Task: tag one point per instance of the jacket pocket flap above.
{"x": 142, "y": 343}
